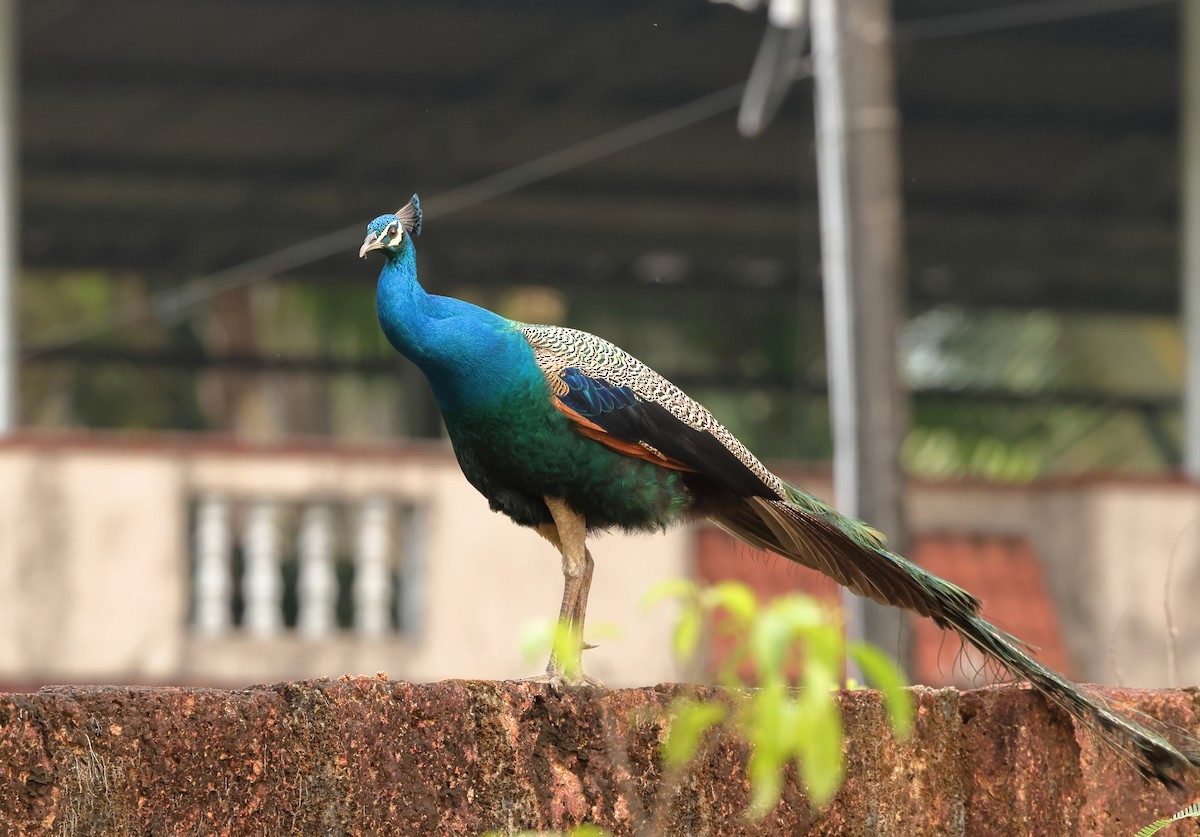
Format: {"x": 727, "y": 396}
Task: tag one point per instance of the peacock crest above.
{"x": 410, "y": 216}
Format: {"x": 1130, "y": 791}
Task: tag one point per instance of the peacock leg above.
{"x": 568, "y": 534}
{"x": 585, "y": 588}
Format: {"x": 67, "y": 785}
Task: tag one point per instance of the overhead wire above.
{"x": 170, "y": 303}
{"x": 1014, "y": 16}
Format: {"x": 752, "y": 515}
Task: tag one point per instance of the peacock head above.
{"x": 388, "y": 232}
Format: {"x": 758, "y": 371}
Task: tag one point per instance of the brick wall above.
{"x": 371, "y": 756}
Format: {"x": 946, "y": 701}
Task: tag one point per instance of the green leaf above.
{"x": 820, "y": 759}
{"x": 568, "y": 645}
{"x": 770, "y": 637}
{"x": 1153, "y": 828}
{"x": 767, "y": 712}
{"x": 1189, "y": 813}
{"x": 587, "y": 830}
{"x": 669, "y": 588}
{"x": 801, "y": 611}
{"x": 734, "y": 597}
{"x": 729, "y": 674}
{"x": 791, "y": 636}
{"x": 767, "y": 724}
{"x": 883, "y": 673}
{"x": 777, "y": 627}
{"x": 824, "y": 645}
{"x": 690, "y": 719}
{"x": 765, "y": 769}
{"x": 687, "y": 634}
{"x": 766, "y": 785}
{"x": 536, "y": 639}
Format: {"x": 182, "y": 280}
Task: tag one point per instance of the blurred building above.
{"x": 175, "y": 560}
{"x": 194, "y": 179}
{"x": 178, "y": 560}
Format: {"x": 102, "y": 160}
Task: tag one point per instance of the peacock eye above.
{"x": 393, "y": 230}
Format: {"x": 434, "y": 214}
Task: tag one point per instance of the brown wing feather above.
{"x": 596, "y": 432}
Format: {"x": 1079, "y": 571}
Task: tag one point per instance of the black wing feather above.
{"x": 619, "y": 412}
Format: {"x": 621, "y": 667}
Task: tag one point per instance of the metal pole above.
{"x": 8, "y": 219}
{"x": 1190, "y": 232}
{"x": 858, "y": 173}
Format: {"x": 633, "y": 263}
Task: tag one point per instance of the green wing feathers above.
{"x": 852, "y": 553}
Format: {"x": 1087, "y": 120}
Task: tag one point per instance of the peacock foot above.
{"x": 559, "y": 678}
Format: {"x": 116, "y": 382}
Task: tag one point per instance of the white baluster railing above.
{"x": 262, "y": 584}
{"x": 387, "y": 550}
{"x": 214, "y": 576}
{"x": 317, "y": 582}
{"x": 410, "y": 586}
{"x": 371, "y": 583}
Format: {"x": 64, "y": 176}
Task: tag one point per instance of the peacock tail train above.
{"x": 856, "y": 556}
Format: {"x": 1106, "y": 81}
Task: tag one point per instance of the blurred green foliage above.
{"x": 580, "y": 831}
{"x": 111, "y": 395}
{"x": 795, "y": 648}
{"x": 998, "y": 395}
{"x": 780, "y": 679}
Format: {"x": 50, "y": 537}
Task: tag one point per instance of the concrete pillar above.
{"x": 8, "y": 216}
{"x": 1190, "y": 229}
{"x": 858, "y": 170}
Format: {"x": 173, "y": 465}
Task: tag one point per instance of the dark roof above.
{"x": 178, "y": 138}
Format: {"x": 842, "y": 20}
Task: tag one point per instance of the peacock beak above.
{"x": 371, "y": 242}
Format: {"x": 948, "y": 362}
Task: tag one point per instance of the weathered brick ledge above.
{"x": 371, "y": 756}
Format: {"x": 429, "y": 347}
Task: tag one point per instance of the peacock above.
{"x": 565, "y": 433}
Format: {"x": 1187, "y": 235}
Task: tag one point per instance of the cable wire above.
{"x": 1015, "y": 16}
{"x": 171, "y": 302}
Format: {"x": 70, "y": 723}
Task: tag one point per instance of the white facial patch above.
{"x": 394, "y": 234}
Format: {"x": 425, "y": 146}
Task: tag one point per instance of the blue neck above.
{"x": 469, "y": 354}
{"x": 403, "y": 307}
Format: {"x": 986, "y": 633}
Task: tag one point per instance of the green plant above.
{"x": 796, "y": 649}
{"x": 578, "y": 831}
{"x": 1189, "y": 813}
{"x": 557, "y": 636}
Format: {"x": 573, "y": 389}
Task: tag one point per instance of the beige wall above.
{"x": 1107, "y": 547}
{"x": 93, "y": 586}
